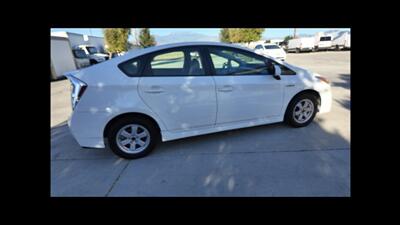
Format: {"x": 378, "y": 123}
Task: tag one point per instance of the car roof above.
{"x": 138, "y": 52}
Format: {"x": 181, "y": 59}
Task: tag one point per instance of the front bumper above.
{"x": 326, "y": 100}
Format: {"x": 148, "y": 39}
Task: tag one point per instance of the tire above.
{"x": 297, "y": 50}
{"x": 142, "y": 125}
{"x": 92, "y": 62}
{"x": 293, "y": 120}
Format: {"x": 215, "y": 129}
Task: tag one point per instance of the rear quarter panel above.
{"x": 111, "y": 92}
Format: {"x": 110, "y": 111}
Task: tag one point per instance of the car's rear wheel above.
{"x": 132, "y": 138}
{"x": 302, "y": 110}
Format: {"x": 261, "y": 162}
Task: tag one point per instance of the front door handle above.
{"x": 226, "y": 88}
{"x": 154, "y": 90}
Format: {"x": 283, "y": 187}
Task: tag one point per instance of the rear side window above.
{"x": 184, "y": 62}
{"x": 131, "y": 67}
{"x": 170, "y": 60}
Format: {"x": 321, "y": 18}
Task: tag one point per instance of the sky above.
{"x": 268, "y": 33}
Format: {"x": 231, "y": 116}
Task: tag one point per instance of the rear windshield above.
{"x": 271, "y": 47}
{"x": 325, "y": 38}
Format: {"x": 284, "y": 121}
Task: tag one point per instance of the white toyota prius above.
{"x": 174, "y": 91}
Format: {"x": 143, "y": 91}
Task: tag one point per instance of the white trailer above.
{"x": 342, "y": 41}
{"x": 61, "y": 56}
{"x": 301, "y": 44}
{"x": 64, "y": 59}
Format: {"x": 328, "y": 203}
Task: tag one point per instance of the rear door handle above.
{"x": 226, "y": 88}
{"x": 154, "y": 90}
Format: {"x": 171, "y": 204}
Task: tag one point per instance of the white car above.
{"x": 174, "y": 91}
{"x": 272, "y": 50}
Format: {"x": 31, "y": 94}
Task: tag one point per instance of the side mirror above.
{"x": 277, "y": 72}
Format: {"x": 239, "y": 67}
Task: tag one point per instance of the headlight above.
{"x": 321, "y": 78}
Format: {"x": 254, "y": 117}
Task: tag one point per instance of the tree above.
{"x": 246, "y": 35}
{"x": 145, "y": 38}
{"x": 287, "y": 38}
{"x": 116, "y": 39}
{"x": 224, "y": 35}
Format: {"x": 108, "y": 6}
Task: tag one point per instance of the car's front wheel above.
{"x": 302, "y": 110}
{"x": 132, "y": 138}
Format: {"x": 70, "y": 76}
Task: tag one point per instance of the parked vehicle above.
{"x": 94, "y": 55}
{"x": 323, "y": 42}
{"x": 342, "y": 41}
{"x": 81, "y": 59}
{"x": 302, "y": 44}
{"x": 272, "y": 50}
{"x": 64, "y": 59}
{"x": 179, "y": 90}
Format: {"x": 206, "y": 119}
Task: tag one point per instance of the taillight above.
{"x": 78, "y": 88}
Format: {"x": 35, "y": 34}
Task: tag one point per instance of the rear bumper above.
{"x": 87, "y": 128}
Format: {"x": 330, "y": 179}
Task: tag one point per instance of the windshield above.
{"x": 91, "y": 50}
{"x": 80, "y": 54}
{"x": 271, "y": 47}
{"x": 325, "y": 38}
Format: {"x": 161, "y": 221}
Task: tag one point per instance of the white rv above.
{"x": 63, "y": 58}
{"x": 342, "y": 41}
{"x": 301, "y": 44}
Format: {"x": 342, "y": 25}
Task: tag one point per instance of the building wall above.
{"x": 80, "y": 39}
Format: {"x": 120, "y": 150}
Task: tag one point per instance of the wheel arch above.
{"x": 306, "y": 91}
{"x": 130, "y": 115}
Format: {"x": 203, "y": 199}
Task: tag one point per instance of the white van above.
{"x": 93, "y": 53}
{"x": 302, "y": 44}
{"x": 342, "y": 41}
{"x": 323, "y": 42}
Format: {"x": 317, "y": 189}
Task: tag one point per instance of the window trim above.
{"x": 245, "y": 52}
{"x": 204, "y": 57}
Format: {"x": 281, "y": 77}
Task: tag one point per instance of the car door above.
{"x": 175, "y": 86}
{"x": 246, "y": 89}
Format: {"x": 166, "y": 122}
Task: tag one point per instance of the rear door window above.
{"x": 182, "y": 62}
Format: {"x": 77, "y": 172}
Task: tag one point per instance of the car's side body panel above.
{"x": 248, "y": 97}
{"x": 188, "y": 105}
{"x": 182, "y": 103}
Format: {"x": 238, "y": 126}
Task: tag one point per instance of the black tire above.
{"x": 297, "y": 50}
{"x": 117, "y": 125}
{"x": 93, "y": 62}
{"x": 289, "y": 117}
